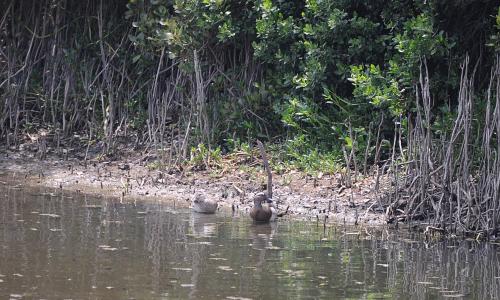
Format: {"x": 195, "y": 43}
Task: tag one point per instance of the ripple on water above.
{"x": 170, "y": 254}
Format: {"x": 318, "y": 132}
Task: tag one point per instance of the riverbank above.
{"x": 136, "y": 175}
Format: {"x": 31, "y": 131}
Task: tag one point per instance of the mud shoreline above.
{"x": 130, "y": 177}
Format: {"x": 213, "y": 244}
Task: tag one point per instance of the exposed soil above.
{"x": 233, "y": 182}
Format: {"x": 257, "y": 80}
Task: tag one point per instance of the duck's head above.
{"x": 259, "y": 198}
{"x": 198, "y": 198}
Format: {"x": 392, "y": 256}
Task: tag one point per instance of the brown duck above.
{"x": 259, "y": 213}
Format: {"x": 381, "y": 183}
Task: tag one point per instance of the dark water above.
{"x": 69, "y": 246}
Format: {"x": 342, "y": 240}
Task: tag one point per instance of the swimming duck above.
{"x": 203, "y": 205}
{"x": 262, "y": 214}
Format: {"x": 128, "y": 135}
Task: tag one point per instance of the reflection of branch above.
{"x": 260, "y": 243}
{"x": 262, "y": 258}
{"x": 261, "y": 236}
{"x": 195, "y": 268}
{"x": 268, "y": 170}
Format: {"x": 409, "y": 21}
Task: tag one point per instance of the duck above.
{"x": 203, "y": 205}
{"x": 263, "y": 214}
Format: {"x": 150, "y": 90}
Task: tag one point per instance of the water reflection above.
{"x": 59, "y": 245}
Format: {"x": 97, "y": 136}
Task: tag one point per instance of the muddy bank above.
{"x": 136, "y": 176}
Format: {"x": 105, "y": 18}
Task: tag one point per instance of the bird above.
{"x": 203, "y": 205}
{"x": 262, "y": 214}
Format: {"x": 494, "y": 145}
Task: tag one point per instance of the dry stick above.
{"x": 2, "y": 22}
{"x": 54, "y": 72}
{"x": 88, "y": 143}
{"x": 348, "y": 168}
{"x": 202, "y": 116}
{"x": 166, "y": 106}
{"x": 494, "y": 172}
{"x": 27, "y": 76}
{"x": 367, "y": 148}
{"x": 451, "y": 182}
{"x": 352, "y": 155}
{"x": 427, "y": 111}
{"x": 268, "y": 170}
{"x": 27, "y": 55}
{"x": 153, "y": 99}
{"x": 185, "y": 141}
{"x": 458, "y": 164}
{"x": 417, "y": 153}
{"x": 378, "y": 144}
{"x": 487, "y": 186}
{"x": 107, "y": 78}
{"x": 410, "y": 142}
{"x": 486, "y": 150}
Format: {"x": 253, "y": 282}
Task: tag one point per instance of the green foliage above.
{"x": 236, "y": 145}
{"x": 182, "y": 26}
{"x": 297, "y": 153}
{"x": 391, "y": 87}
{"x": 202, "y": 157}
{"x": 372, "y": 84}
{"x": 494, "y": 40}
{"x": 296, "y": 72}
{"x": 323, "y": 62}
{"x": 419, "y": 39}
{"x": 312, "y": 55}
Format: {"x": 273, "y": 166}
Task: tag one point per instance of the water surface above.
{"x": 60, "y": 245}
